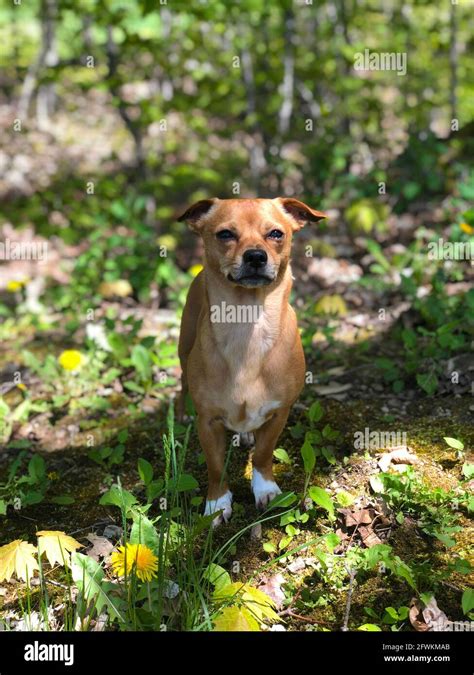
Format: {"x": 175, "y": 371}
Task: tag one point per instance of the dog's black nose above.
{"x": 255, "y": 257}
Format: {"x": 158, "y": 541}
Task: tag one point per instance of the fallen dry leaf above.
{"x": 358, "y": 516}
{"x": 18, "y": 558}
{"x": 416, "y": 617}
{"x": 343, "y": 536}
{"x": 57, "y": 546}
{"x": 368, "y": 536}
{"x": 431, "y": 618}
{"x": 101, "y": 546}
{"x": 272, "y": 587}
{"x": 363, "y": 519}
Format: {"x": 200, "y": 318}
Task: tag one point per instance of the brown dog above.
{"x": 239, "y": 347}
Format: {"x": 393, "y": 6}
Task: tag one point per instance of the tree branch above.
{"x": 112, "y": 52}
{"x": 286, "y": 108}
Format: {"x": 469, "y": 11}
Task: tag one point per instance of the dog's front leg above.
{"x": 263, "y": 485}
{"x": 212, "y": 436}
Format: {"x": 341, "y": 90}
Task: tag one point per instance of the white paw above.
{"x": 223, "y": 504}
{"x": 264, "y": 490}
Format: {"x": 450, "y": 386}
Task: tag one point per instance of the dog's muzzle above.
{"x": 254, "y": 270}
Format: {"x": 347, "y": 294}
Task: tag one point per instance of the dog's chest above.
{"x": 244, "y": 346}
{"x": 244, "y": 394}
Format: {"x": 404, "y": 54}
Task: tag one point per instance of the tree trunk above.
{"x": 288, "y": 83}
{"x": 133, "y": 127}
{"x": 47, "y": 57}
{"x": 256, "y": 155}
{"x": 453, "y": 62}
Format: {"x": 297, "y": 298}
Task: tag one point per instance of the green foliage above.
{"x": 454, "y": 443}
{"x": 309, "y": 457}
{"x": 95, "y": 592}
{"x": 444, "y": 329}
{"x": 317, "y": 442}
{"x": 395, "y": 618}
{"x": 20, "y": 413}
{"x": 107, "y": 456}
{"x": 117, "y": 496}
{"x": 321, "y": 498}
{"x": 282, "y": 455}
{"x": 364, "y": 216}
{"x": 436, "y": 510}
{"x": 23, "y": 489}
{"x": 468, "y": 601}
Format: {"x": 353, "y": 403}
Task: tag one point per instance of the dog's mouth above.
{"x": 251, "y": 280}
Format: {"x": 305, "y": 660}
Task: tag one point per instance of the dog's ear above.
{"x": 300, "y": 212}
{"x": 195, "y": 213}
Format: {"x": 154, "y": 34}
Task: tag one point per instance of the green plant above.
{"x": 395, "y": 618}
{"x": 317, "y": 442}
{"x": 20, "y": 413}
{"x": 31, "y": 487}
{"x": 110, "y": 456}
{"x": 435, "y": 510}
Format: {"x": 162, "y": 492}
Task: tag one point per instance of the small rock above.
{"x": 398, "y": 455}
{"x": 307, "y": 504}
{"x": 100, "y": 623}
{"x": 256, "y": 532}
{"x": 170, "y": 589}
{"x": 296, "y": 566}
{"x": 331, "y": 388}
{"x": 112, "y": 532}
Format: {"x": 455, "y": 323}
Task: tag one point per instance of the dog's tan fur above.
{"x": 242, "y": 376}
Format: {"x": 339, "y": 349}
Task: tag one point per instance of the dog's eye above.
{"x": 225, "y": 234}
{"x": 275, "y": 234}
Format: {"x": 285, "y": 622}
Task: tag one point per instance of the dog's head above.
{"x": 248, "y": 241}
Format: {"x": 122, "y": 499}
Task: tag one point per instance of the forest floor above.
{"x": 413, "y": 515}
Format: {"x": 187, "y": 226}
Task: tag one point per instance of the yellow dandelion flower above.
{"x": 14, "y": 286}
{"x": 21, "y": 386}
{"x": 135, "y": 557}
{"x": 167, "y": 241}
{"x": 468, "y": 229}
{"x": 194, "y": 270}
{"x": 120, "y": 287}
{"x": 71, "y": 359}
